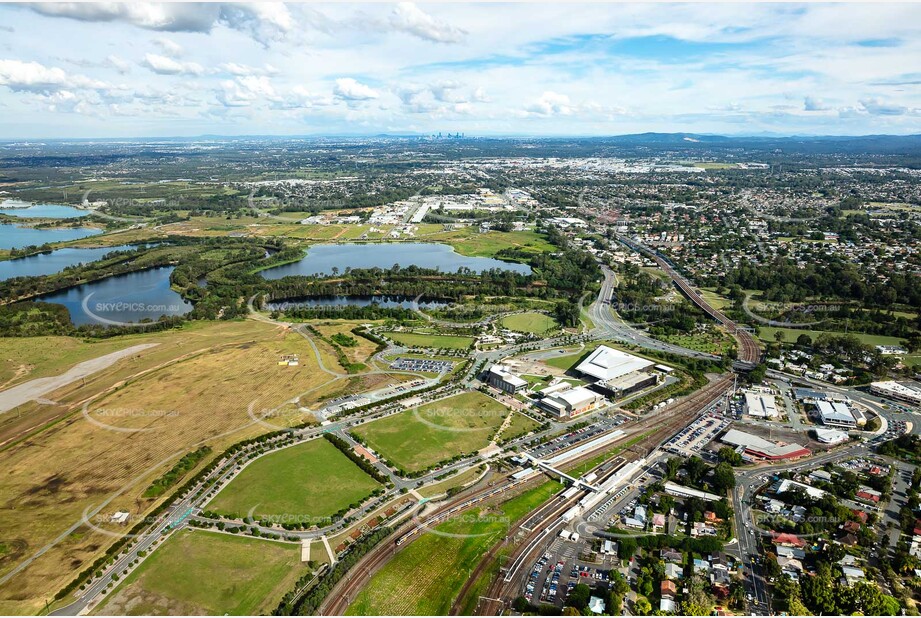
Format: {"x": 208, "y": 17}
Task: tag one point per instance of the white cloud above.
{"x": 880, "y": 108}
{"x": 170, "y": 47}
{"x": 264, "y": 21}
{"x": 811, "y": 104}
{"x": 409, "y": 18}
{"x": 244, "y": 91}
{"x": 35, "y": 77}
{"x": 168, "y": 66}
{"x": 351, "y": 90}
{"x": 551, "y": 104}
{"x": 119, "y": 64}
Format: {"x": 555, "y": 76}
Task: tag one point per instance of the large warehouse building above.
{"x": 504, "y": 380}
{"x": 617, "y": 373}
{"x": 764, "y": 449}
{"x": 761, "y": 405}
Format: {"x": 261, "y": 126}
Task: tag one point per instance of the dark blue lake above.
{"x": 122, "y": 299}
{"x": 17, "y": 236}
{"x": 360, "y": 301}
{"x": 54, "y": 262}
{"x": 321, "y": 259}
{"x": 45, "y": 211}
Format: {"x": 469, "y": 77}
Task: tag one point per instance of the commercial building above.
{"x": 681, "y": 491}
{"x": 607, "y": 364}
{"x": 571, "y": 402}
{"x": 830, "y": 436}
{"x": 628, "y": 384}
{"x": 894, "y": 390}
{"x": 501, "y": 378}
{"x": 765, "y": 449}
{"x": 839, "y": 414}
{"x": 760, "y": 405}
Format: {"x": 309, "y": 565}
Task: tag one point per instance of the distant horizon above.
{"x": 396, "y": 135}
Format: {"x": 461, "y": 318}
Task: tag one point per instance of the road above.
{"x": 749, "y": 350}
{"x": 609, "y": 327}
{"x": 33, "y": 389}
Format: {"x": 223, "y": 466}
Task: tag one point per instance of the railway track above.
{"x": 507, "y": 587}
{"x": 345, "y": 591}
{"x": 749, "y": 350}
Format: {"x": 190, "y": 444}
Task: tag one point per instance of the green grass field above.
{"x": 530, "y": 322}
{"x": 712, "y": 342}
{"x": 207, "y": 573}
{"x": 437, "y": 342}
{"x": 418, "y": 438}
{"x": 309, "y": 480}
{"x": 425, "y": 578}
{"x": 766, "y": 333}
{"x": 468, "y": 241}
{"x": 519, "y": 425}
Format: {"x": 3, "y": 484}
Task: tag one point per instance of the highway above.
{"x": 749, "y": 350}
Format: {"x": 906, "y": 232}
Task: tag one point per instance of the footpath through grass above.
{"x": 426, "y": 576}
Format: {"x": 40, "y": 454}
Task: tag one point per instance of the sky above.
{"x": 105, "y": 70}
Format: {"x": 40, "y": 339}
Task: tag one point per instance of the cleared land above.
{"x": 530, "y": 322}
{"x": 33, "y": 389}
{"x": 358, "y": 353}
{"x": 424, "y": 578}
{"x": 438, "y": 342}
{"x": 306, "y": 482}
{"x": 215, "y": 368}
{"x": 418, "y": 438}
{"x": 207, "y": 573}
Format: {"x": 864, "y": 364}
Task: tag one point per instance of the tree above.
{"x": 697, "y": 601}
{"x": 579, "y": 596}
{"x": 724, "y": 478}
{"x": 642, "y": 607}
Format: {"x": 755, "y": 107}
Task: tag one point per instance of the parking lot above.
{"x": 574, "y": 437}
{"x": 691, "y": 440}
{"x": 558, "y": 571}
{"x": 422, "y": 364}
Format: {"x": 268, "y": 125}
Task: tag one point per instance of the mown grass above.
{"x": 199, "y": 572}
{"x": 305, "y": 482}
{"x": 426, "y": 577}
{"x": 418, "y": 438}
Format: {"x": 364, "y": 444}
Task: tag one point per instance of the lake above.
{"x": 122, "y": 299}
{"x": 54, "y": 262}
{"x": 17, "y": 236}
{"x": 45, "y": 211}
{"x": 360, "y": 301}
{"x": 321, "y": 259}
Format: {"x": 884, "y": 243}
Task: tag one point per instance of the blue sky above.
{"x": 127, "y": 70}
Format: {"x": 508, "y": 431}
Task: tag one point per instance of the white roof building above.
{"x": 893, "y": 389}
{"x": 760, "y": 405}
{"x": 830, "y": 436}
{"x": 607, "y": 363}
{"x": 836, "y": 413}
